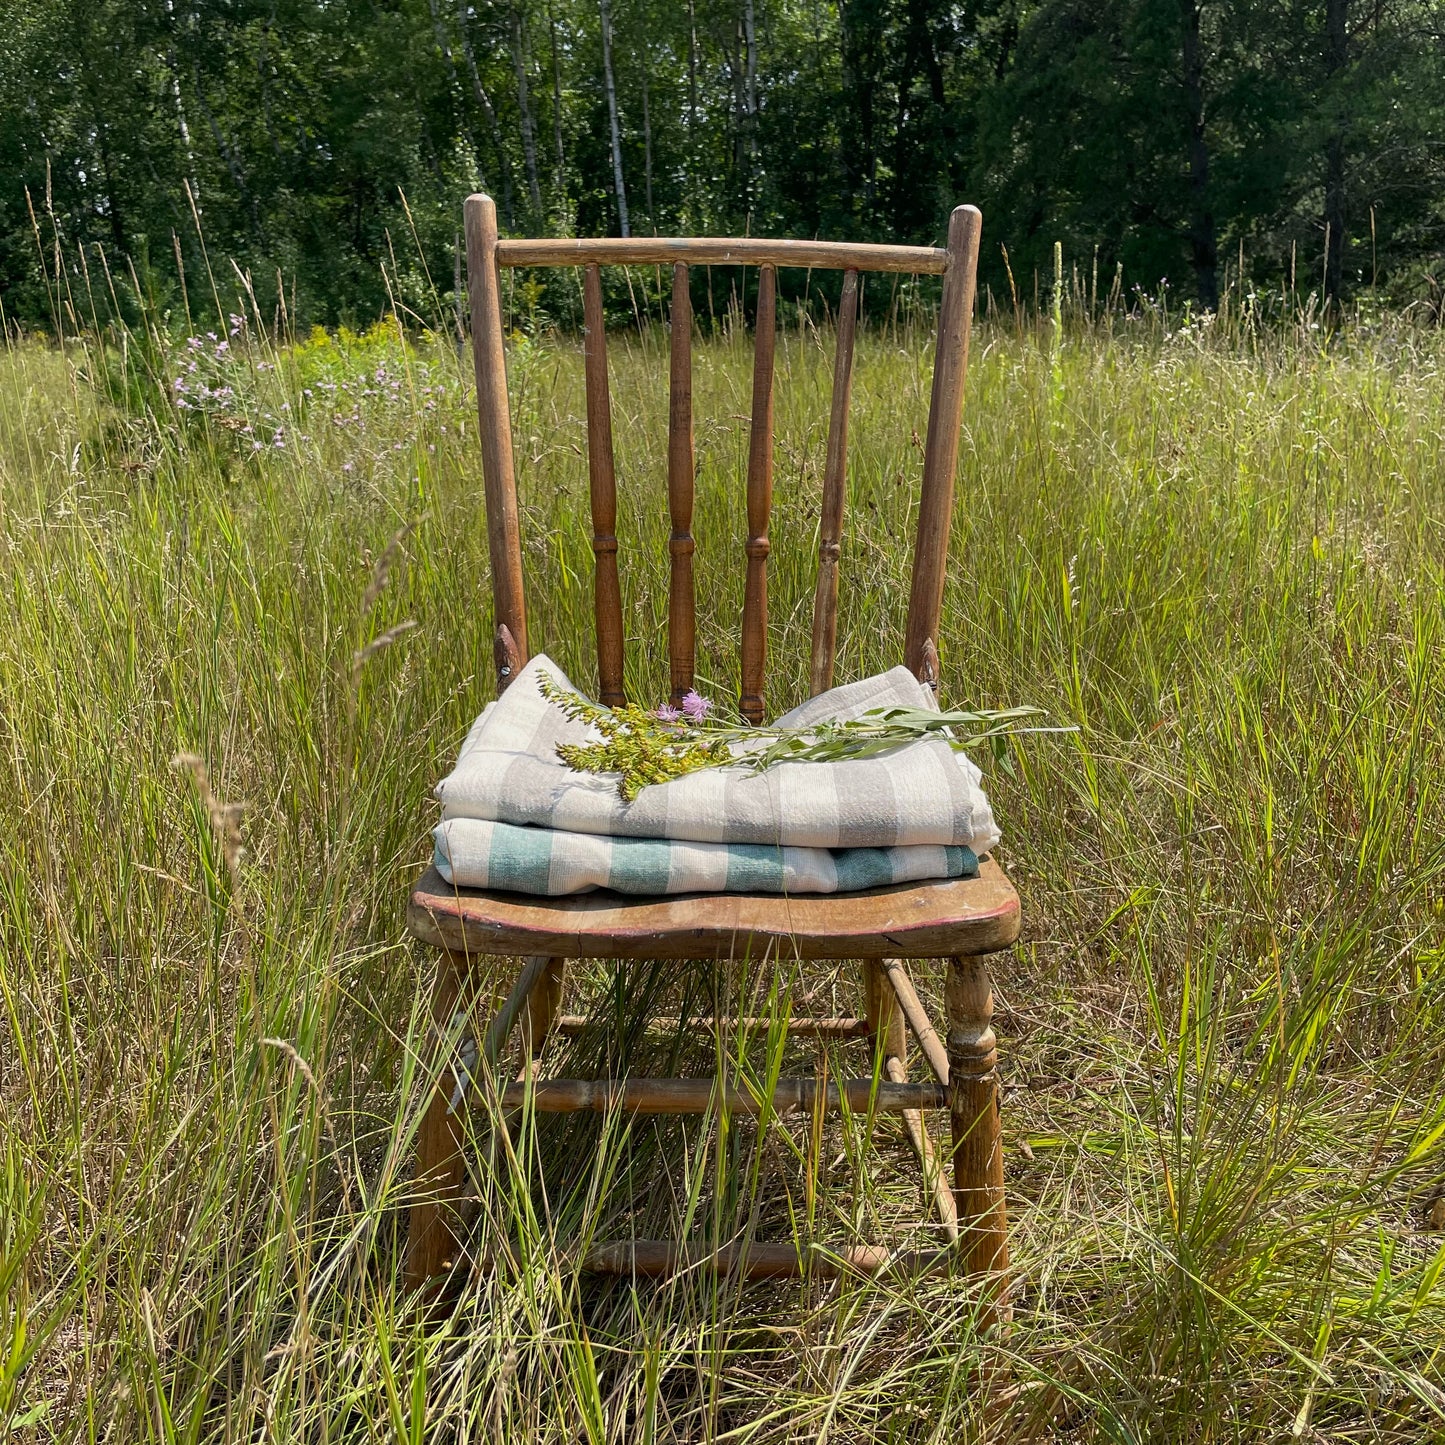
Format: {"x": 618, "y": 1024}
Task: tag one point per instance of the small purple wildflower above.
{"x": 695, "y": 707}
{"x": 667, "y": 713}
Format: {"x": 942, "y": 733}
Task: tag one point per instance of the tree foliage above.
{"x": 328, "y": 142}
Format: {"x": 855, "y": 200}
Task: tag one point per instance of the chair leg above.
{"x": 440, "y": 1174}
{"x": 544, "y": 1008}
{"x": 973, "y": 1099}
{"x": 880, "y": 1008}
{"x": 888, "y": 1025}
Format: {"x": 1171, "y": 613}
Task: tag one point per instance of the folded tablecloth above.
{"x": 473, "y": 853}
{"x": 514, "y": 816}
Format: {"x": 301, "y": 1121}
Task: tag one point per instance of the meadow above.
{"x": 1217, "y": 548}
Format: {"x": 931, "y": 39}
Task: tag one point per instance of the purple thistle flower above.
{"x": 695, "y": 708}
{"x": 667, "y": 713}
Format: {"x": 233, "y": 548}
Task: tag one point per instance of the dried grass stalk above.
{"x": 224, "y": 818}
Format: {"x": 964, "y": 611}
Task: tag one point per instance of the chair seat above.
{"x": 937, "y": 919}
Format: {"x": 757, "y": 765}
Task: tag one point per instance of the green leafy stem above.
{"x": 643, "y": 747}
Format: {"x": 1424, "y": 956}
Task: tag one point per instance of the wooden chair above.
{"x": 960, "y": 920}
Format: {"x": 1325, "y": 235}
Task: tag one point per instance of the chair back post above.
{"x": 681, "y": 614}
{"x": 835, "y": 488}
{"x": 504, "y": 545}
{"x": 602, "y": 480}
{"x": 754, "y": 650}
{"x": 940, "y": 451}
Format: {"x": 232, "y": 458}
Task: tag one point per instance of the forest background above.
{"x": 1296, "y": 144}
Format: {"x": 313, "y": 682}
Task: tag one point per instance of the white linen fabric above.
{"x": 922, "y": 793}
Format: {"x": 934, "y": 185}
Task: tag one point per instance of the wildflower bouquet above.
{"x": 645, "y": 746}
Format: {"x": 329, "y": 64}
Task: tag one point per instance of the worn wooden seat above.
{"x": 911, "y": 920}
{"x": 960, "y": 919}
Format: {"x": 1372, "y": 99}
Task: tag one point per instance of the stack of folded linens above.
{"x": 515, "y": 817}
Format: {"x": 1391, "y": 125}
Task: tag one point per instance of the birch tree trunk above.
{"x": 529, "y": 130}
{"x": 647, "y": 137}
{"x": 750, "y": 79}
{"x": 737, "y": 66}
{"x": 561, "y": 181}
{"x": 484, "y": 104}
{"x": 691, "y": 69}
{"x": 1201, "y": 217}
{"x": 605, "y": 11}
{"x": 692, "y": 103}
{"x": 182, "y": 124}
{"x": 1337, "y": 56}
{"x": 439, "y": 31}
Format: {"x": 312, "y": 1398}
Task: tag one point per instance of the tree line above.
{"x": 325, "y": 145}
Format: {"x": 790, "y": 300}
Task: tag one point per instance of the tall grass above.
{"x": 1216, "y": 548}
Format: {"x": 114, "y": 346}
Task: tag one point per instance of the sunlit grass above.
{"x": 1221, "y": 1033}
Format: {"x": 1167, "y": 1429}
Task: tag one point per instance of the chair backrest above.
{"x": 956, "y": 263}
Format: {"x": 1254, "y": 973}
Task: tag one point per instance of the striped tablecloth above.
{"x": 515, "y": 817}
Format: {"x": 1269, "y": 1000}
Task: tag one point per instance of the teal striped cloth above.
{"x": 476, "y": 853}
{"x": 514, "y": 817}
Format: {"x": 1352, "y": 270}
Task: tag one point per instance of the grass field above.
{"x": 1218, "y": 551}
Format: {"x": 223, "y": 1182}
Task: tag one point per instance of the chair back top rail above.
{"x": 957, "y": 264}
{"x": 719, "y": 251}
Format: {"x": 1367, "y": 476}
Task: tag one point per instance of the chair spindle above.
{"x": 760, "y": 502}
{"x": 940, "y": 450}
{"x": 681, "y": 618}
{"x": 602, "y": 477}
{"x": 504, "y": 545}
{"x": 835, "y": 488}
